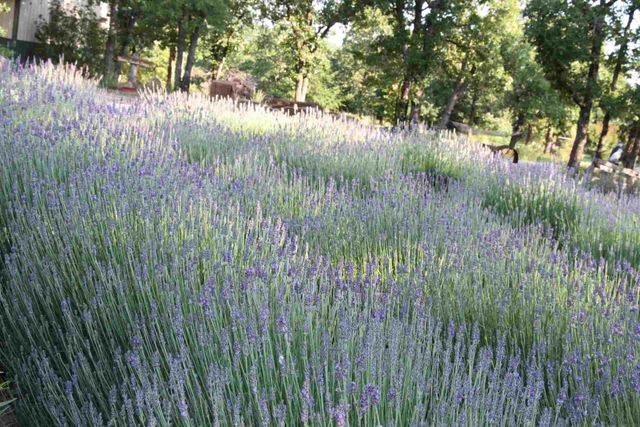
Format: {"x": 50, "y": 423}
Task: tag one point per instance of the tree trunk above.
{"x": 620, "y": 59}
{"x": 217, "y": 73}
{"x": 582, "y": 127}
{"x": 132, "y": 79}
{"x": 179, "y": 54}
{"x": 118, "y": 65}
{"x": 305, "y": 88}
{"x": 582, "y": 132}
{"x": 110, "y": 47}
{"x": 458, "y": 90}
{"x": 416, "y": 105}
{"x": 422, "y": 33}
{"x": 527, "y": 139}
{"x": 516, "y": 130}
{"x": 298, "y": 95}
{"x": 474, "y": 107}
{"x": 403, "y": 101}
{"x": 411, "y": 72}
{"x": 414, "y": 115}
{"x": 191, "y": 58}
{"x": 124, "y": 47}
{"x": 603, "y": 134}
{"x": 219, "y": 57}
{"x": 548, "y": 140}
{"x": 633, "y": 146}
{"x": 301, "y": 87}
{"x": 172, "y": 57}
{"x": 451, "y": 104}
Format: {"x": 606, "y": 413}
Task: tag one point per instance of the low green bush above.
{"x": 526, "y": 204}
{"x": 441, "y": 168}
{"x": 5, "y": 405}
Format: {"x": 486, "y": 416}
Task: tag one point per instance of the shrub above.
{"x": 73, "y": 33}
{"x": 534, "y": 204}
{"x": 426, "y": 159}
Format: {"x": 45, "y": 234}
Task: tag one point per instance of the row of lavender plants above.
{"x": 603, "y": 225}
{"x": 183, "y": 262}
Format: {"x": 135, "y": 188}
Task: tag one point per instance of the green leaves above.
{"x": 77, "y": 34}
{"x": 562, "y": 34}
{"x": 4, "y": 404}
{"x": 267, "y": 54}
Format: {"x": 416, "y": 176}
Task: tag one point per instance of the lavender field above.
{"x": 184, "y": 262}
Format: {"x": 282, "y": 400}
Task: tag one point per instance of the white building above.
{"x": 20, "y": 22}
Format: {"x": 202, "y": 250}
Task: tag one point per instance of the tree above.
{"x": 110, "y": 44}
{"x": 129, "y": 36}
{"x": 181, "y": 23}
{"x": 630, "y": 108}
{"x": 222, "y": 39}
{"x": 305, "y": 24}
{"x": 72, "y": 33}
{"x": 258, "y": 54}
{"x": 122, "y": 35}
{"x": 632, "y": 148}
{"x": 474, "y": 47}
{"x": 418, "y": 28}
{"x": 530, "y": 95}
{"x": 572, "y": 61}
{"x": 4, "y": 8}
{"x": 620, "y": 59}
{"x": 366, "y": 70}
{"x": 265, "y": 54}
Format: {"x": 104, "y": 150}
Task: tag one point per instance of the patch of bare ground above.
{"x": 120, "y": 97}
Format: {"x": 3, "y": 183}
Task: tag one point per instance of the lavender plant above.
{"x": 188, "y": 262}
{"x": 5, "y": 404}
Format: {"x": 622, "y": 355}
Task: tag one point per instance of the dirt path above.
{"x": 119, "y": 97}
